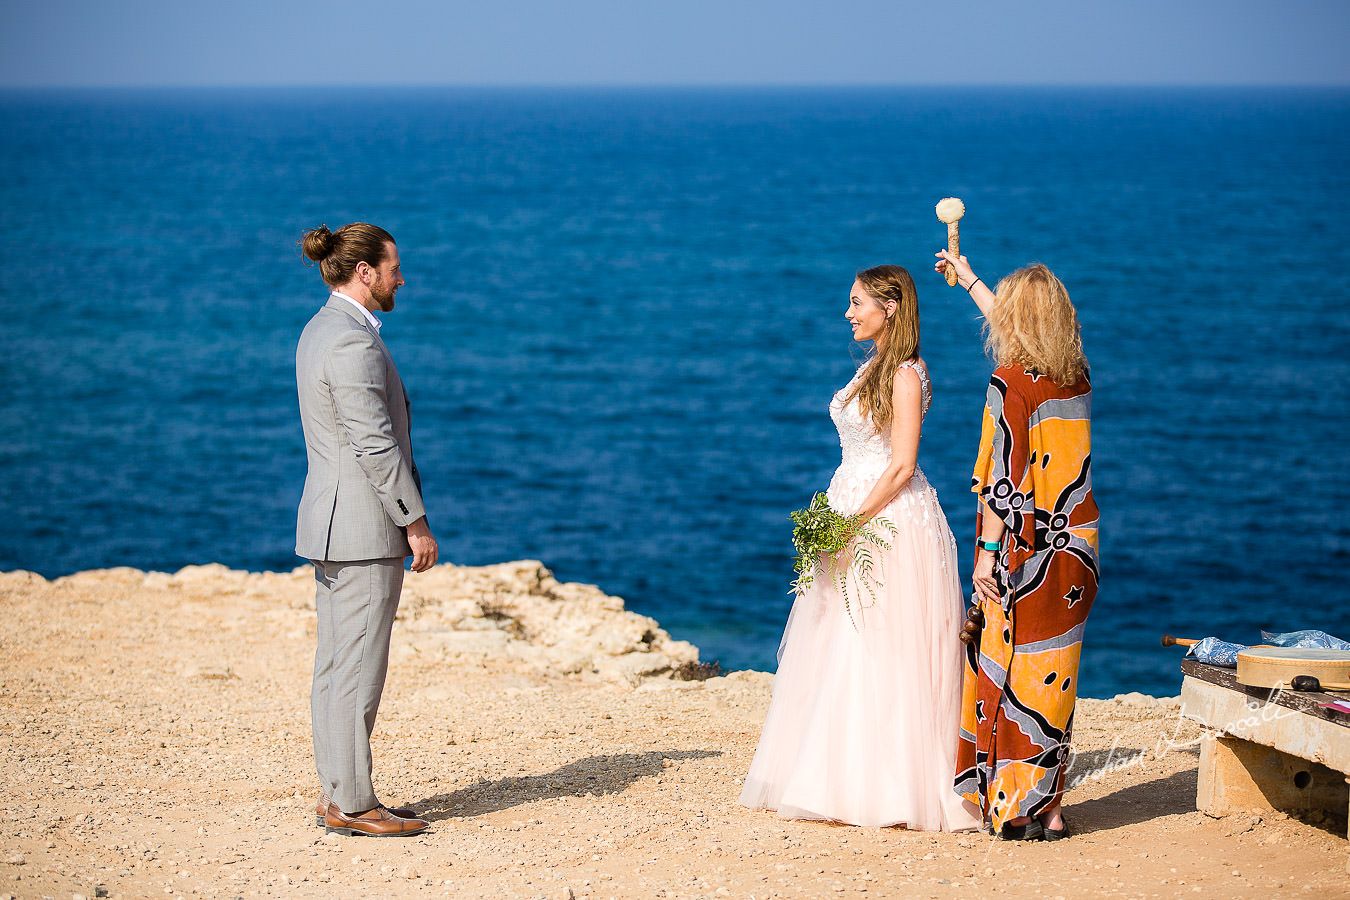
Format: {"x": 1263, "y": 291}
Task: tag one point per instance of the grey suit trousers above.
{"x": 356, "y": 604}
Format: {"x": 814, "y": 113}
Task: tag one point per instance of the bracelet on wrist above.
{"x": 991, "y": 546}
{"x": 971, "y": 286}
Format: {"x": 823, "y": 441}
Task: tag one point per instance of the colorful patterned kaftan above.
{"x": 1035, "y": 473}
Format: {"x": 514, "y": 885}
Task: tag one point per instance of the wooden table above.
{"x": 1268, "y": 749}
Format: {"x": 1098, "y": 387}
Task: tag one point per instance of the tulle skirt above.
{"x": 862, "y": 727}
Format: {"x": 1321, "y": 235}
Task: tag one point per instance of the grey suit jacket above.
{"x": 362, "y": 489}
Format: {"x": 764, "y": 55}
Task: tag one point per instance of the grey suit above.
{"x": 361, "y": 492}
{"x": 362, "y": 489}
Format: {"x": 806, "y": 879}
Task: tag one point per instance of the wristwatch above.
{"x": 991, "y": 546}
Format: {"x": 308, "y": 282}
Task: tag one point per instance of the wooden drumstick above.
{"x": 1169, "y": 641}
{"x": 950, "y": 210}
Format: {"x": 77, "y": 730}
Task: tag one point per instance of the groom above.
{"x": 360, "y": 516}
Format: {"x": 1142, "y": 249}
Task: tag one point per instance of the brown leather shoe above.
{"x": 321, "y": 810}
{"x": 377, "y": 822}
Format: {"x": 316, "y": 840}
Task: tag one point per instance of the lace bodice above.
{"x": 866, "y": 451}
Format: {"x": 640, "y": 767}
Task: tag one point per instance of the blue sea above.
{"x": 624, "y": 320}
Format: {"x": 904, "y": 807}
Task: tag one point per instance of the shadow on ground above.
{"x": 1085, "y": 768}
{"x": 1169, "y": 796}
{"x": 593, "y": 775}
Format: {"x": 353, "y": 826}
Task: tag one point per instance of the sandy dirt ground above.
{"x": 156, "y": 744}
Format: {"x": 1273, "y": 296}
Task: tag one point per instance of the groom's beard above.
{"x": 383, "y": 295}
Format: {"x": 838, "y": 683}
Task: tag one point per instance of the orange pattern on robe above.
{"x": 1034, "y": 472}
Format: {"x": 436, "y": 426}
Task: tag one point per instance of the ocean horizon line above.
{"x": 682, "y": 87}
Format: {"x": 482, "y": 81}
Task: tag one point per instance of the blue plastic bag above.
{"x": 1317, "y": 639}
{"x": 1216, "y": 652}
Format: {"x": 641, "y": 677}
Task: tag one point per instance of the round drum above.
{"x": 1265, "y": 667}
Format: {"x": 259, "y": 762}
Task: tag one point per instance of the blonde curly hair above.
{"x": 1034, "y": 324}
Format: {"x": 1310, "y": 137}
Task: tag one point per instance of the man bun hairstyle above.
{"x": 338, "y": 253}
{"x": 317, "y": 243}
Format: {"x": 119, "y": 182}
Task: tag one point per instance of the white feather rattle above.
{"x": 950, "y": 210}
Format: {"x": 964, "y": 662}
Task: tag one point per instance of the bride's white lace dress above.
{"x": 863, "y": 724}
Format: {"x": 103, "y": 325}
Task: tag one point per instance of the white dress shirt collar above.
{"x": 370, "y": 316}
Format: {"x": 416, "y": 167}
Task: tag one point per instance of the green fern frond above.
{"x": 820, "y": 533}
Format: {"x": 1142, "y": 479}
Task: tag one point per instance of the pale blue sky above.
{"x": 622, "y": 42}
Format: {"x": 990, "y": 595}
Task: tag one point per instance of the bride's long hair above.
{"x": 897, "y": 344}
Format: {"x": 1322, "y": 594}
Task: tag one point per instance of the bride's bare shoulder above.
{"x": 917, "y": 368}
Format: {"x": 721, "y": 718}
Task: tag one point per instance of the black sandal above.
{"x": 1057, "y": 834}
{"x": 1032, "y": 831}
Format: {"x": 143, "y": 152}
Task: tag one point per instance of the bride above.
{"x": 862, "y": 728}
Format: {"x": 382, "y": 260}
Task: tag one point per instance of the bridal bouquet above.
{"x": 821, "y": 533}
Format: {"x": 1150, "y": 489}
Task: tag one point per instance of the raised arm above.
{"x": 966, "y": 278}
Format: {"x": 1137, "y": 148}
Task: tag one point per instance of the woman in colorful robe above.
{"x": 1036, "y": 567}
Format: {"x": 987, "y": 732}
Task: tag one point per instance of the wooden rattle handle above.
{"x": 954, "y": 245}
{"x": 949, "y": 211}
